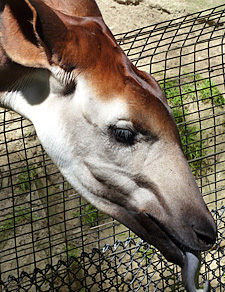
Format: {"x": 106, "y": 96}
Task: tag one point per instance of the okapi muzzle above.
{"x": 105, "y": 124}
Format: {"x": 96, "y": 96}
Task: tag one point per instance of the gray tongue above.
{"x": 190, "y": 273}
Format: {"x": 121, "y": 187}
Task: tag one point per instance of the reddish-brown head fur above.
{"x": 91, "y": 49}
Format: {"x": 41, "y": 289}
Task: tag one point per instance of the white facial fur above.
{"x": 68, "y": 126}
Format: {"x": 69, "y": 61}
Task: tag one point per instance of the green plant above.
{"x": 204, "y": 88}
{"x": 193, "y": 88}
{"x": 147, "y": 254}
{"x": 72, "y": 251}
{"x": 25, "y": 177}
{"x": 20, "y": 216}
{"x": 89, "y": 214}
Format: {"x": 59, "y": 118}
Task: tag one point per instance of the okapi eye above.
{"x": 126, "y": 136}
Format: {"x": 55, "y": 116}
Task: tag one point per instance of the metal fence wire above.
{"x": 53, "y": 240}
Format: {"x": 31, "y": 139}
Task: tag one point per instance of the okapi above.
{"x": 105, "y": 124}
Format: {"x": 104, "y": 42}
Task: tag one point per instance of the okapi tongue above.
{"x": 190, "y": 273}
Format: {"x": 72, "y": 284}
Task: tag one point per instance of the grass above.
{"x": 19, "y": 217}
{"x": 194, "y": 88}
{"x": 146, "y": 254}
{"x": 89, "y": 214}
{"x": 27, "y": 175}
{"x": 72, "y": 251}
{"x": 204, "y": 88}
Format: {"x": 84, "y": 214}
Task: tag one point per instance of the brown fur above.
{"x": 75, "y": 38}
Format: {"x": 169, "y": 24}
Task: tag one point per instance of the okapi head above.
{"x": 105, "y": 124}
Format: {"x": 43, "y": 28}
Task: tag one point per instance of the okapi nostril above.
{"x": 204, "y": 239}
{"x": 207, "y": 239}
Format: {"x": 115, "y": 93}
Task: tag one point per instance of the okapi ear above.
{"x": 81, "y": 8}
{"x": 21, "y": 26}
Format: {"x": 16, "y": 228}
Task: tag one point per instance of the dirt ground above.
{"x": 125, "y": 15}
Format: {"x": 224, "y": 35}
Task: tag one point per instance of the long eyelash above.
{"x": 124, "y": 136}
{"x": 64, "y": 77}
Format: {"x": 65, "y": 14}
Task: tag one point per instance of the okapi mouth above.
{"x": 195, "y": 249}
{"x": 180, "y": 245}
{"x": 153, "y": 232}
{"x": 189, "y": 259}
{"x": 173, "y": 243}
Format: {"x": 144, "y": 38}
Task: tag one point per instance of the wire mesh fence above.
{"x": 53, "y": 240}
